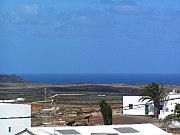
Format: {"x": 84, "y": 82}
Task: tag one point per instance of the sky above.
{"x": 90, "y": 36}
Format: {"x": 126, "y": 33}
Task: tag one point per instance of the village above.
{"x": 78, "y": 111}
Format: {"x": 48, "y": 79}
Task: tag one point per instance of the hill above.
{"x": 11, "y": 79}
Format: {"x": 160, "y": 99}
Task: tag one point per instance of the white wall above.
{"x": 11, "y": 111}
{"x": 138, "y": 109}
{"x": 169, "y": 105}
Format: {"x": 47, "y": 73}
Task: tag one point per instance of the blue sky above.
{"x": 90, "y": 36}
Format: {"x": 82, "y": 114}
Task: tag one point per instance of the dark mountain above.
{"x": 11, "y": 79}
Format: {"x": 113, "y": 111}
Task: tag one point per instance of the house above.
{"x": 135, "y": 129}
{"x": 170, "y": 102}
{"x": 14, "y": 118}
{"x": 132, "y": 106}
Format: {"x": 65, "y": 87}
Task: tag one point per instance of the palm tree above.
{"x": 106, "y": 112}
{"x": 155, "y": 93}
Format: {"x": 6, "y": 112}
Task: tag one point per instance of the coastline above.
{"x": 119, "y": 78}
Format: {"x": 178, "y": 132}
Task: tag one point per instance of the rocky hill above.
{"x": 11, "y": 79}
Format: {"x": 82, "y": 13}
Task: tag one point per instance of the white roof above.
{"x": 135, "y": 129}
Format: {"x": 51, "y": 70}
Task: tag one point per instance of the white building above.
{"x": 132, "y": 106}
{"x": 135, "y": 129}
{"x": 14, "y": 118}
{"x": 171, "y": 100}
{"x": 12, "y": 100}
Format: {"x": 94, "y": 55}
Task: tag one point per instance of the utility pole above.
{"x": 45, "y": 105}
{"x": 91, "y": 110}
{"x": 45, "y": 94}
{"x": 54, "y": 112}
{"x": 54, "y": 122}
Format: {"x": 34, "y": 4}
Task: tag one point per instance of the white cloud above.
{"x": 26, "y": 14}
{"x": 129, "y": 7}
{"x": 31, "y": 9}
{"x": 125, "y": 9}
{"x": 106, "y": 1}
{"x": 82, "y": 19}
{"x": 114, "y": 21}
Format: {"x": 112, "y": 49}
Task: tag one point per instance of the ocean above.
{"x": 167, "y": 79}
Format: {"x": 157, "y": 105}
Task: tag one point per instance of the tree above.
{"x": 106, "y": 112}
{"x": 155, "y": 93}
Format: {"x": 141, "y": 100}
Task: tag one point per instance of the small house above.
{"x": 132, "y": 106}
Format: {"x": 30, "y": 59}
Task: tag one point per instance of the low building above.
{"x": 14, "y": 118}
{"x": 12, "y": 100}
{"x": 170, "y": 102}
{"x": 135, "y": 129}
{"x": 132, "y": 106}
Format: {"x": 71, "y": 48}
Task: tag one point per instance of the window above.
{"x": 68, "y": 132}
{"x": 146, "y": 109}
{"x": 161, "y": 107}
{"x": 126, "y": 130}
{"x": 130, "y": 106}
{"x": 104, "y": 134}
{"x": 9, "y": 129}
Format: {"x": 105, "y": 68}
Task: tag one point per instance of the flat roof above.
{"x": 135, "y": 129}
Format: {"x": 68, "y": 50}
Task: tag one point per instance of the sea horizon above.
{"x": 102, "y": 78}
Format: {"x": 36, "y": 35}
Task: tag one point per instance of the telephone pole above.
{"x": 45, "y": 94}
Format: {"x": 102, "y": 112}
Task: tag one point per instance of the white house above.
{"x": 170, "y": 102}
{"x": 132, "y": 106}
{"x": 14, "y": 118}
{"x": 135, "y": 129}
